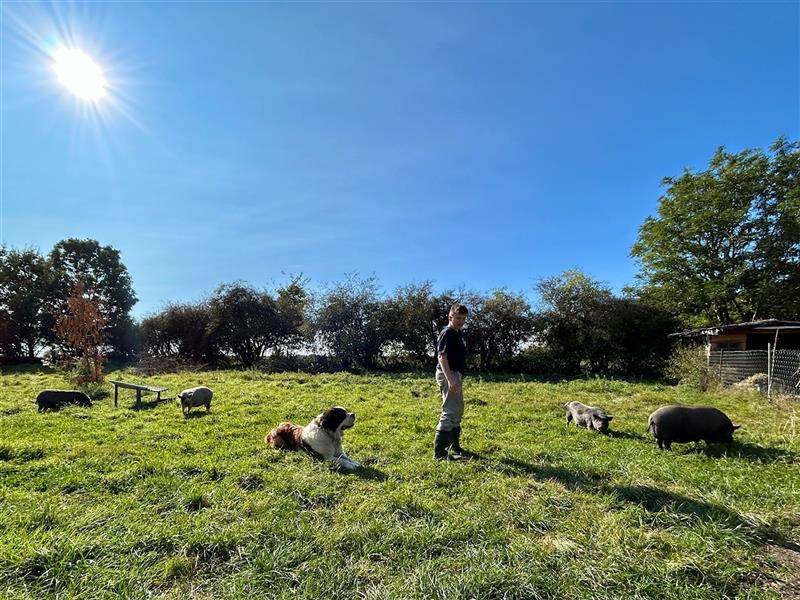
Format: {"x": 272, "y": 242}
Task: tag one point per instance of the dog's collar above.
{"x": 311, "y": 451}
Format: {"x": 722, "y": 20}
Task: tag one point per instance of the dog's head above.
{"x": 337, "y": 419}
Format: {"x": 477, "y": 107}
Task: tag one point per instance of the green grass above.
{"x": 123, "y": 503}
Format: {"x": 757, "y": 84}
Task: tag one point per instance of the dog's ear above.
{"x": 332, "y": 418}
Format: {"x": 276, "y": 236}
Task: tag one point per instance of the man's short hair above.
{"x": 458, "y": 309}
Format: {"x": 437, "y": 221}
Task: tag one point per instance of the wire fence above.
{"x": 770, "y": 371}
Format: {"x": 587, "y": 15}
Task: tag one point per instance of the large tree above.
{"x": 725, "y": 245}
{"x": 589, "y": 329}
{"x": 181, "y": 330}
{"x": 293, "y": 304}
{"x": 498, "y": 326}
{"x": 569, "y": 317}
{"x": 107, "y": 278}
{"x": 243, "y": 321}
{"x": 25, "y": 288}
{"x": 350, "y": 322}
{"x": 414, "y": 315}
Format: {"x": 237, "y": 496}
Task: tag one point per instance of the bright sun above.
{"x": 79, "y": 74}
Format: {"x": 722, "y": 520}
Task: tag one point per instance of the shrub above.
{"x": 688, "y": 366}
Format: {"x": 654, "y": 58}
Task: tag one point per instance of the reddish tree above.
{"x": 82, "y": 330}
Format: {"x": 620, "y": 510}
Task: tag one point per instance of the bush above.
{"x": 150, "y": 364}
{"x": 537, "y": 360}
{"x": 688, "y": 366}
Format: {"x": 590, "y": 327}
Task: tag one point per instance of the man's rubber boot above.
{"x": 440, "y": 443}
{"x": 455, "y": 444}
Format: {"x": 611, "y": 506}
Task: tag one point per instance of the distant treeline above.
{"x": 580, "y": 326}
{"x": 723, "y": 247}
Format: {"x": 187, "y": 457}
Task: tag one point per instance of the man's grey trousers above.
{"x": 452, "y": 403}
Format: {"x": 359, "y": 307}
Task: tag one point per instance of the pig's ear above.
{"x": 735, "y": 427}
{"x": 609, "y": 417}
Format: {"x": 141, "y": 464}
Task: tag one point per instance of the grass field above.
{"x": 123, "y": 503}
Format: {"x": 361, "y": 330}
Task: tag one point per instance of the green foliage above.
{"x": 122, "y": 503}
{"x": 414, "y": 315}
{"x": 688, "y": 366}
{"x": 569, "y": 320}
{"x": 26, "y": 288}
{"x": 725, "y": 245}
{"x": 293, "y": 305}
{"x": 102, "y": 271}
{"x": 34, "y": 291}
{"x": 236, "y": 320}
{"x": 243, "y": 321}
{"x": 498, "y": 326}
{"x": 350, "y": 322}
{"x": 589, "y": 329}
{"x": 182, "y": 331}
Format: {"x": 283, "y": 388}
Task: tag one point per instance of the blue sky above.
{"x": 484, "y": 144}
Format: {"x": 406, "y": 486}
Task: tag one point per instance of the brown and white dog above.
{"x": 322, "y": 437}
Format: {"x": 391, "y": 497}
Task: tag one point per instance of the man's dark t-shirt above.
{"x": 451, "y": 343}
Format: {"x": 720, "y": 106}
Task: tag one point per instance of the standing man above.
{"x": 452, "y": 363}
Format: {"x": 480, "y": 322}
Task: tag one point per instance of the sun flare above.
{"x": 79, "y": 74}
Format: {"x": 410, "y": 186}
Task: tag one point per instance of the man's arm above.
{"x": 448, "y": 374}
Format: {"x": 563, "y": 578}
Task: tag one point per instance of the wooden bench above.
{"x": 139, "y": 389}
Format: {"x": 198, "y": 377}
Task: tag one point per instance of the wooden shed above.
{"x": 754, "y": 335}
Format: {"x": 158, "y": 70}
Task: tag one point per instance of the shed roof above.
{"x": 764, "y": 326}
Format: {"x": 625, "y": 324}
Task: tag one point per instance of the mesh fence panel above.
{"x": 733, "y": 366}
{"x": 786, "y": 371}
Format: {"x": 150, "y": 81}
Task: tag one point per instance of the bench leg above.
{"x": 138, "y": 397}
{"x": 116, "y": 391}
{"x": 158, "y": 398}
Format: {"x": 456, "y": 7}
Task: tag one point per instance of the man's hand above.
{"x": 454, "y": 385}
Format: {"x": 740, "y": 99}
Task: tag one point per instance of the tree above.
{"x": 589, "y": 329}
{"x": 775, "y": 267}
{"x": 7, "y": 350}
{"x": 414, "y": 315}
{"x": 350, "y": 322}
{"x": 107, "y": 279}
{"x": 25, "y": 288}
{"x": 82, "y": 331}
{"x": 243, "y": 321}
{"x": 631, "y": 338}
{"x": 498, "y": 326}
{"x": 725, "y": 245}
{"x": 293, "y": 324}
{"x": 568, "y": 320}
{"x": 181, "y": 330}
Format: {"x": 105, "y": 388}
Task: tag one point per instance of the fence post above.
{"x": 769, "y": 371}
{"x": 721, "y": 363}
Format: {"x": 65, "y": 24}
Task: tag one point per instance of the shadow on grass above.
{"x": 197, "y": 414}
{"x": 569, "y": 478}
{"x": 370, "y": 473}
{"x": 652, "y": 499}
{"x": 747, "y": 452}
{"x": 27, "y": 369}
{"x": 655, "y": 500}
{"x": 150, "y": 404}
{"x": 625, "y": 435}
